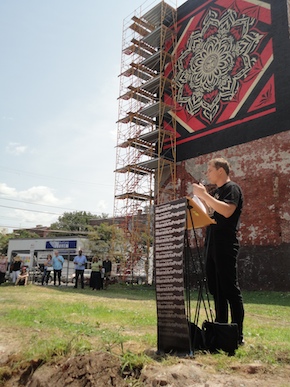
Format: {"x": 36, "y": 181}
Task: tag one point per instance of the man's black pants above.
{"x": 222, "y": 279}
{"x": 79, "y": 273}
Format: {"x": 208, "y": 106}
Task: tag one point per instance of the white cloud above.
{"x": 35, "y": 195}
{"x": 8, "y": 191}
{"x": 42, "y": 195}
{"x": 23, "y": 218}
{"x": 15, "y": 148}
{"x": 35, "y": 205}
{"x": 102, "y": 206}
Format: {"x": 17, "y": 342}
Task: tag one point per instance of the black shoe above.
{"x": 75, "y": 287}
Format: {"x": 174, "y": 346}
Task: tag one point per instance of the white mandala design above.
{"x": 216, "y": 59}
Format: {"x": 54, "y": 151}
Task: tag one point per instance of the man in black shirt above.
{"x": 107, "y": 267}
{"x": 222, "y": 242}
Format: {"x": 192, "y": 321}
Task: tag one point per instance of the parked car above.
{"x": 67, "y": 278}
{"x": 135, "y": 277}
{"x": 87, "y": 276}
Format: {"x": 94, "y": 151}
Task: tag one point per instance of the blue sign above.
{"x": 61, "y": 245}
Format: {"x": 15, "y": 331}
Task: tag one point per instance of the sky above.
{"x": 59, "y": 88}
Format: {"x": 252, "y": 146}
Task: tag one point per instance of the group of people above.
{"x": 19, "y": 273}
{"x": 18, "y": 270}
{"x": 101, "y": 271}
{"x": 54, "y": 264}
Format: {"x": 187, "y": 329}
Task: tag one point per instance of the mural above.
{"x": 231, "y": 74}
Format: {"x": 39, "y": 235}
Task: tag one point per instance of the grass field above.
{"x": 46, "y": 321}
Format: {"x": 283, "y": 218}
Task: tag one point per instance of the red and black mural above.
{"x": 231, "y": 74}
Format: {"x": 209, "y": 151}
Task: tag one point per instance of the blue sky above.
{"x": 60, "y": 61}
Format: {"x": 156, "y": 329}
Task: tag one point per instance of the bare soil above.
{"x": 100, "y": 369}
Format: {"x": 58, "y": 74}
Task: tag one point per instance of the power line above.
{"x": 16, "y": 171}
{"x": 38, "y": 204}
{"x": 92, "y": 215}
{"x": 46, "y": 205}
{"x": 16, "y": 227}
{"x": 25, "y": 209}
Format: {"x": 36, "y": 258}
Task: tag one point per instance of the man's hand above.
{"x": 199, "y": 190}
{"x": 225, "y": 209}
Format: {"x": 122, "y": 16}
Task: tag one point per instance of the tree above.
{"x": 19, "y": 234}
{"x": 22, "y": 234}
{"x": 102, "y": 237}
{"x": 4, "y": 241}
{"x": 72, "y": 223}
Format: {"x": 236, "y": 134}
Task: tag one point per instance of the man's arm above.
{"x": 223, "y": 208}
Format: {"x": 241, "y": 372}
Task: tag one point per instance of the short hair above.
{"x": 220, "y": 162}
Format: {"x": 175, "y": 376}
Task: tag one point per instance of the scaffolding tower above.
{"x": 145, "y": 175}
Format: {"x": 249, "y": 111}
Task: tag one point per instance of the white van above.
{"x": 26, "y": 259}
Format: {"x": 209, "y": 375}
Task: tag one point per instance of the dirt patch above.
{"x": 188, "y": 373}
{"x": 100, "y": 369}
{"x": 90, "y": 370}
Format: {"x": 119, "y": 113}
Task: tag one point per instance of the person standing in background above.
{"x": 96, "y": 279}
{"x": 47, "y": 269}
{"x": 3, "y": 267}
{"x": 107, "y": 266}
{"x": 57, "y": 264}
{"x": 80, "y": 261}
{"x": 16, "y": 266}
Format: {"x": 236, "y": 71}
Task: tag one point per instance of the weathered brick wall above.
{"x": 262, "y": 169}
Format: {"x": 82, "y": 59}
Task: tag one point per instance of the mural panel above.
{"x": 231, "y": 74}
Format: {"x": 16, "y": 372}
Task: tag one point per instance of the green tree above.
{"x": 4, "y": 241}
{"x": 74, "y": 223}
{"x": 103, "y": 236}
{"x": 19, "y": 234}
{"x": 22, "y": 234}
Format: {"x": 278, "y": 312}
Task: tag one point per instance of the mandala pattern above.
{"x": 218, "y": 56}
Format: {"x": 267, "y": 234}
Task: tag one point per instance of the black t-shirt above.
{"x": 107, "y": 265}
{"x": 16, "y": 265}
{"x": 230, "y": 193}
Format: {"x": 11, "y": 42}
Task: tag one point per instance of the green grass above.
{"x": 49, "y": 322}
